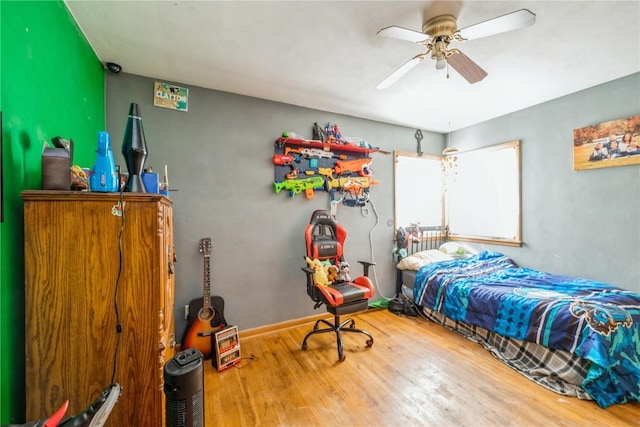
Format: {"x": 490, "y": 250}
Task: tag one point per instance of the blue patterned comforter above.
{"x": 596, "y": 321}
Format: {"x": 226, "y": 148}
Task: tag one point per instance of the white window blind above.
{"x": 418, "y": 189}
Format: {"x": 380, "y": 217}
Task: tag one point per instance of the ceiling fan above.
{"x": 438, "y": 32}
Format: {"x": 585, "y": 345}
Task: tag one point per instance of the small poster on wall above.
{"x": 169, "y": 96}
{"x": 608, "y": 144}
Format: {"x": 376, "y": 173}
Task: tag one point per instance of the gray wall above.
{"x": 219, "y": 158}
{"x": 584, "y": 223}
{"x": 578, "y": 223}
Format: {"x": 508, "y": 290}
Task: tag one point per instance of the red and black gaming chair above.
{"x": 325, "y": 239}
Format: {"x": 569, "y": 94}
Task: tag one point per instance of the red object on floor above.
{"x": 55, "y": 419}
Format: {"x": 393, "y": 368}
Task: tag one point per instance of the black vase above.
{"x": 134, "y": 150}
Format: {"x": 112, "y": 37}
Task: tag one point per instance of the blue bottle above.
{"x": 150, "y": 180}
{"x": 104, "y": 177}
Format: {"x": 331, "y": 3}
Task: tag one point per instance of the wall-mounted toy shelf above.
{"x": 328, "y": 146}
{"x": 343, "y": 170}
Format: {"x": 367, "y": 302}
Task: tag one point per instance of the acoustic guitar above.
{"x": 206, "y": 315}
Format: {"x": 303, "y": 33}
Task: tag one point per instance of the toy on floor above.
{"x": 344, "y": 272}
{"x": 319, "y": 275}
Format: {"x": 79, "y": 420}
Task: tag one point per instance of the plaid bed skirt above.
{"x": 556, "y": 370}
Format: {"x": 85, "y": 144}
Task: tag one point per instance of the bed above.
{"x": 417, "y": 245}
{"x": 574, "y": 336}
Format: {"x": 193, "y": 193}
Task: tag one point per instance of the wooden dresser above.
{"x": 85, "y": 261}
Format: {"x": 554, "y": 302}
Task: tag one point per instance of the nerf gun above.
{"x": 352, "y": 184}
{"x": 282, "y": 159}
{"x": 361, "y": 166}
{"x": 311, "y": 153}
{"x": 296, "y": 186}
{"x": 328, "y": 172}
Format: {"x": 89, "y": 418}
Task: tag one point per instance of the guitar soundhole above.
{"x": 206, "y": 313}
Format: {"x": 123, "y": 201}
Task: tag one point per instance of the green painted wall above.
{"x": 52, "y": 84}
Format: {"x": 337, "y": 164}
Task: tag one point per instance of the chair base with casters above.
{"x": 338, "y": 327}
{"x": 325, "y": 239}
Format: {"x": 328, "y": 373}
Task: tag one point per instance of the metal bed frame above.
{"x": 420, "y": 238}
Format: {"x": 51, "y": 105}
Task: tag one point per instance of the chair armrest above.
{"x": 366, "y": 265}
{"x": 311, "y": 291}
{"x": 309, "y": 272}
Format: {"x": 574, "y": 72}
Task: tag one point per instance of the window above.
{"x": 418, "y": 182}
{"x": 483, "y": 195}
{"x": 477, "y": 193}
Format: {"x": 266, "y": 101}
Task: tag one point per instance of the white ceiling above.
{"x": 326, "y": 55}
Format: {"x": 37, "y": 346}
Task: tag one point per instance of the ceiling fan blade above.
{"x": 408, "y": 66}
{"x": 466, "y": 67}
{"x": 511, "y": 21}
{"x": 401, "y": 33}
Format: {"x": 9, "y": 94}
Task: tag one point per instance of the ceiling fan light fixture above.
{"x": 438, "y": 32}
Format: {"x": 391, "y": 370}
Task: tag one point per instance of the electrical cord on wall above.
{"x": 115, "y": 292}
{"x": 375, "y": 277}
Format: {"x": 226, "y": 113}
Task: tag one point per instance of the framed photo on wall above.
{"x": 608, "y": 144}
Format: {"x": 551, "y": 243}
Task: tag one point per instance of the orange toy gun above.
{"x": 282, "y": 159}
{"x": 361, "y": 166}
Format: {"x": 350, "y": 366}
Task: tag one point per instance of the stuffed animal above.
{"x": 344, "y": 272}
{"x": 332, "y": 273}
{"x": 319, "y": 275}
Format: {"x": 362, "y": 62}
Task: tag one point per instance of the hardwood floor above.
{"x": 416, "y": 374}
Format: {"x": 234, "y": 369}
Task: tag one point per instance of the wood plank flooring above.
{"x": 416, "y": 374}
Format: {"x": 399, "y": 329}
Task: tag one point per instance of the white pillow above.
{"x": 452, "y": 248}
{"x": 417, "y": 260}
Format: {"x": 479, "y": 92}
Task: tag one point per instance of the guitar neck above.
{"x": 206, "y": 300}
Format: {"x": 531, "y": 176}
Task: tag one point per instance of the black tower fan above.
{"x": 184, "y": 388}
